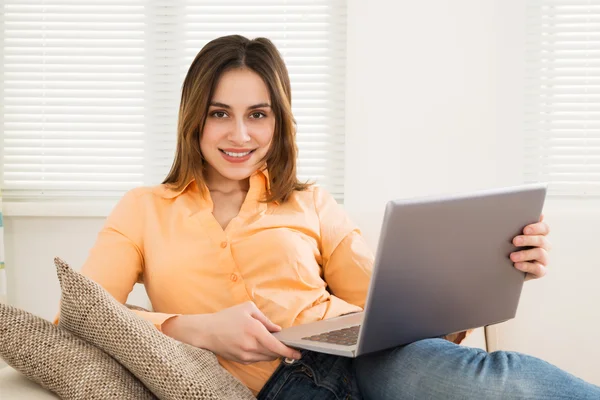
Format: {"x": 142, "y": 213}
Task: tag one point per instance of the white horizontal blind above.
{"x": 563, "y": 96}
{"x": 91, "y": 89}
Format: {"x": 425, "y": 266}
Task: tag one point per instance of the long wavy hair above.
{"x": 216, "y": 57}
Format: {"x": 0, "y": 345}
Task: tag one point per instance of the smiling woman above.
{"x": 232, "y": 247}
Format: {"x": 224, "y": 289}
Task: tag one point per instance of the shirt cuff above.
{"x": 156, "y": 318}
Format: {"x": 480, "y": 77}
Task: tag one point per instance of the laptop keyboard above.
{"x": 344, "y": 337}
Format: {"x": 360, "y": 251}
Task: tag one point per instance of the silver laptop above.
{"x": 442, "y": 266}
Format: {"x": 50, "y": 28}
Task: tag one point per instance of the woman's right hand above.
{"x": 240, "y": 333}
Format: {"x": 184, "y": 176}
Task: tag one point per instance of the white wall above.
{"x": 431, "y": 100}
{"x": 434, "y": 105}
{"x": 559, "y": 316}
{"x": 31, "y": 245}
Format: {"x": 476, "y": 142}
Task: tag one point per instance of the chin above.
{"x": 236, "y": 174}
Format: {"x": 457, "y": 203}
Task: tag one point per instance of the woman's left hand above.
{"x": 533, "y": 261}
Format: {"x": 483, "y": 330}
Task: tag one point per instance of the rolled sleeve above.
{"x": 347, "y": 259}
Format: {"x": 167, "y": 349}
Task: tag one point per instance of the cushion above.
{"x": 61, "y": 362}
{"x": 171, "y": 369}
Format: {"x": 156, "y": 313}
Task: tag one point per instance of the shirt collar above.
{"x": 168, "y": 193}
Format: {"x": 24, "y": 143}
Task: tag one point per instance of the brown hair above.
{"x": 219, "y": 55}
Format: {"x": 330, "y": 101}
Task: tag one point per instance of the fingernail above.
{"x": 298, "y": 356}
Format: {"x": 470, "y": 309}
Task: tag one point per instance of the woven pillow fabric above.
{"x": 61, "y": 362}
{"x": 169, "y": 368}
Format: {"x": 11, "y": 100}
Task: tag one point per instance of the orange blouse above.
{"x": 299, "y": 261}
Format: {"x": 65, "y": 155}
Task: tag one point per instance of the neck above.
{"x": 218, "y": 183}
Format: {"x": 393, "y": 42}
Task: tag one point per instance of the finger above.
{"x": 272, "y": 355}
{"x": 273, "y": 345}
{"x": 260, "y": 348}
{"x": 262, "y": 318}
{"x": 538, "y": 254}
{"x": 534, "y": 270}
{"x": 535, "y": 241}
{"x": 252, "y": 357}
{"x": 264, "y": 352}
{"x": 251, "y": 345}
{"x": 529, "y": 277}
{"x": 541, "y": 217}
{"x": 539, "y": 228}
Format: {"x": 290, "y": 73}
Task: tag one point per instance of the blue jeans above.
{"x": 427, "y": 369}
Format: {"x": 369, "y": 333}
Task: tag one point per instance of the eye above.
{"x": 258, "y": 115}
{"x": 219, "y": 114}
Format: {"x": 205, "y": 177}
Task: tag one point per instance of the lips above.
{"x": 236, "y": 155}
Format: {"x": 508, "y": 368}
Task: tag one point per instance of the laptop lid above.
{"x": 443, "y": 266}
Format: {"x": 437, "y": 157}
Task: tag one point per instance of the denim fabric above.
{"x": 427, "y": 369}
{"x": 316, "y": 377}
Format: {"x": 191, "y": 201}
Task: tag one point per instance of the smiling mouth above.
{"x": 237, "y": 154}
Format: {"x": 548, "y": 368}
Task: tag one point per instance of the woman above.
{"x": 232, "y": 247}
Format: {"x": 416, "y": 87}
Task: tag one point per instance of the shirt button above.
{"x": 223, "y": 244}
{"x": 233, "y": 277}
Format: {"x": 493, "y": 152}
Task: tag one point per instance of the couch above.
{"x": 13, "y": 385}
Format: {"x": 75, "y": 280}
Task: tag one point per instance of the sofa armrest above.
{"x": 476, "y": 339}
{"x": 15, "y": 386}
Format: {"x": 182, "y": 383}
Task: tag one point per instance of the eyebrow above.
{"x": 223, "y": 105}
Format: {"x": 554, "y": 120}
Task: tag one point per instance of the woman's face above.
{"x": 239, "y": 126}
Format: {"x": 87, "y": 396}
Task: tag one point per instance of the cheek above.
{"x": 266, "y": 140}
{"x": 264, "y": 136}
{"x": 210, "y": 135}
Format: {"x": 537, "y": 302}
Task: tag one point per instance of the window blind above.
{"x": 563, "y": 96}
{"x": 91, "y": 88}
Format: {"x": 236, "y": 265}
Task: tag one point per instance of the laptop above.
{"x": 442, "y": 266}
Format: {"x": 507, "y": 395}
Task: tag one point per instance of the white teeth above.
{"x": 236, "y": 154}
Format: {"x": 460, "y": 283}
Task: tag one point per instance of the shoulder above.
{"x": 155, "y": 192}
{"x": 139, "y": 204}
{"x": 322, "y": 196}
{"x": 146, "y": 195}
{"x": 314, "y": 197}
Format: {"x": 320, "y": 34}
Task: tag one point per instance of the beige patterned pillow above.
{"x": 171, "y": 369}
{"x": 61, "y": 362}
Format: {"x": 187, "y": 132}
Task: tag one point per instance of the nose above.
{"x": 239, "y": 134}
